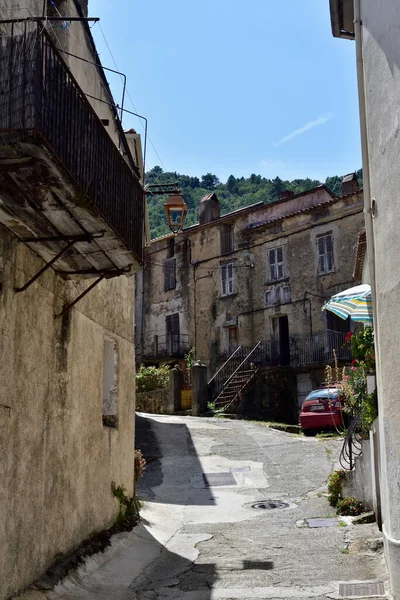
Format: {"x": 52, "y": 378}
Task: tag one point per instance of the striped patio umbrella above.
{"x": 355, "y": 303}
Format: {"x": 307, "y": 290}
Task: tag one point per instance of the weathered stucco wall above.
{"x": 381, "y": 54}
{"x": 57, "y": 458}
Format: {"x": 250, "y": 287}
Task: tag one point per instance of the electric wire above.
{"x": 129, "y": 96}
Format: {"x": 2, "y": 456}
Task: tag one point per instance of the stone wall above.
{"x": 274, "y": 396}
{"x": 155, "y": 402}
{"x": 359, "y": 481}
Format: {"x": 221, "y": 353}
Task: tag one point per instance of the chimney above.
{"x": 209, "y": 209}
{"x": 286, "y": 194}
{"x": 350, "y": 184}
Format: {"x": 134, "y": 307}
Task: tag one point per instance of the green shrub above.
{"x": 149, "y": 379}
{"x": 335, "y": 486}
{"x": 349, "y": 507}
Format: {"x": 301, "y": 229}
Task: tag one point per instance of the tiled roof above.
{"x": 291, "y": 214}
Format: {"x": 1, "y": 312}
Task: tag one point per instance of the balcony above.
{"x": 64, "y": 184}
{"x": 319, "y": 349}
{"x": 166, "y": 347}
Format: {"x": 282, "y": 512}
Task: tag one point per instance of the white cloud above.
{"x": 319, "y": 121}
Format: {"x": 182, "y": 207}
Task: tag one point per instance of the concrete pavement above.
{"x": 202, "y": 539}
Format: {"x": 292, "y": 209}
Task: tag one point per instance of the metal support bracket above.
{"x": 71, "y": 241}
{"x": 89, "y": 289}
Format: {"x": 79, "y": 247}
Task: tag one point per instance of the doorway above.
{"x": 232, "y": 339}
{"x": 280, "y": 329}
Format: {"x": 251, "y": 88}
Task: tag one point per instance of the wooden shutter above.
{"x": 223, "y": 280}
{"x": 272, "y": 264}
{"x": 321, "y": 254}
{"x": 279, "y": 261}
{"x": 329, "y": 252}
{"x": 230, "y": 278}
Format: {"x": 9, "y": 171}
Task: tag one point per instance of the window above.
{"x": 110, "y": 383}
{"x": 325, "y": 253}
{"x": 226, "y": 235}
{"x": 172, "y": 333}
{"x": 227, "y": 279}
{"x": 169, "y": 274}
{"x": 275, "y": 260}
{"x": 277, "y": 295}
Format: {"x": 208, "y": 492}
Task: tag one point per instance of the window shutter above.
{"x": 329, "y": 252}
{"x": 279, "y": 263}
{"x": 321, "y": 252}
{"x": 279, "y": 254}
{"x": 230, "y": 278}
{"x": 268, "y": 298}
{"x": 272, "y": 265}
{"x": 223, "y": 280}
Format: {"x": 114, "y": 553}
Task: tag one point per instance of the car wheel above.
{"x": 309, "y": 432}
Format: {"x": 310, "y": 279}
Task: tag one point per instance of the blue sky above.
{"x": 232, "y": 87}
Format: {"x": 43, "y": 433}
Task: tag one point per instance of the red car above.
{"x": 322, "y": 409}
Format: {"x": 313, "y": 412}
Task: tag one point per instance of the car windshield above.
{"x": 324, "y": 393}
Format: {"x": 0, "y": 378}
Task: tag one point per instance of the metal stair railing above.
{"x": 218, "y": 381}
{"x": 255, "y": 353}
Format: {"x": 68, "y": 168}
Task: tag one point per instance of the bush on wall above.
{"x": 149, "y": 379}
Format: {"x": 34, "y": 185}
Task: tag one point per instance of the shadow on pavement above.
{"x": 173, "y": 474}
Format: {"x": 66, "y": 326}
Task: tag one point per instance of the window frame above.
{"x": 276, "y": 268}
{"x": 327, "y": 257}
{"x": 226, "y": 239}
{"x": 227, "y": 282}
{"x": 169, "y": 274}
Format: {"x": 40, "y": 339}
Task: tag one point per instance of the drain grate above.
{"x": 361, "y": 589}
{"x": 269, "y": 504}
{"x": 322, "y": 522}
{"x": 218, "y": 479}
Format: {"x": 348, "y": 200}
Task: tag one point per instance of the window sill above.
{"x": 320, "y": 274}
{"x": 273, "y": 282}
{"x": 228, "y": 295}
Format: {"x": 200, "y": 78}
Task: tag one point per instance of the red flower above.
{"x": 348, "y": 336}
{"x": 354, "y": 361}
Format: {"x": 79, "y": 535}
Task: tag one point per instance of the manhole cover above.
{"x": 218, "y": 479}
{"x": 269, "y": 504}
{"x": 321, "y": 522}
{"x": 361, "y": 589}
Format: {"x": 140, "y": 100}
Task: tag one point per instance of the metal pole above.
{"x": 46, "y": 266}
{"x": 67, "y": 308}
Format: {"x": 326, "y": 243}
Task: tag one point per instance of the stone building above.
{"x": 261, "y": 273}
{"x": 71, "y": 233}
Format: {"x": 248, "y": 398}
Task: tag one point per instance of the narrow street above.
{"x": 207, "y": 531}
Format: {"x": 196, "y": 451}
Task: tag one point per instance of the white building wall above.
{"x": 381, "y": 56}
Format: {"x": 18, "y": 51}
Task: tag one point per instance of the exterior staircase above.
{"x": 237, "y": 375}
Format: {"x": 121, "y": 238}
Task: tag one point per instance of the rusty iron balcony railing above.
{"x": 319, "y": 348}
{"x": 41, "y": 101}
{"x": 174, "y": 345}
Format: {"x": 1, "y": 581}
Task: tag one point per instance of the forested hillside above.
{"x": 235, "y": 193}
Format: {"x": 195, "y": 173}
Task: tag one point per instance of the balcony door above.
{"x": 172, "y": 334}
{"x": 280, "y": 331}
{"x": 232, "y": 339}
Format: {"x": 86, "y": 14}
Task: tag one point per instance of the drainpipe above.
{"x": 365, "y": 156}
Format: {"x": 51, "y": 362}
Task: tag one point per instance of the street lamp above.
{"x": 175, "y": 207}
{"x": 175, "y": 211}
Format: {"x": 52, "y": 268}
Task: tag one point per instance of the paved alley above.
{"x": 208, "y": 531}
